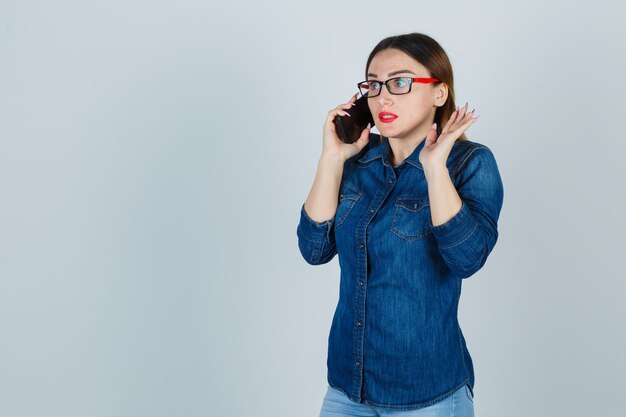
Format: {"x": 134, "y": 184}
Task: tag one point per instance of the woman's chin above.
{"x": 389, "y": 131}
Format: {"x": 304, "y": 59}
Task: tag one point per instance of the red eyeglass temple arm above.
{"x": 425, "y": 80}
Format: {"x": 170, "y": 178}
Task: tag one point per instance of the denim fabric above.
{"x": 395, "y": 341}
{"x": 459, "y": 404}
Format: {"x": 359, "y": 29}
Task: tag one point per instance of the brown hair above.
{"x": 431, "y": 55}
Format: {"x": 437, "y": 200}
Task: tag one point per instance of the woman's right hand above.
{"x": 333, "y": 146}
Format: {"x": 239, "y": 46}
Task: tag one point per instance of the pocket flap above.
{"x": 412, "y": 203}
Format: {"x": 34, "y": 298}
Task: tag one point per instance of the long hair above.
{"x": 431, "y": 55}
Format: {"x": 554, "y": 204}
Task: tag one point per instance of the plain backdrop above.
{"x": 154, "y": 156}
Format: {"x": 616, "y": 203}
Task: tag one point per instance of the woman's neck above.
{"x": 402, "y": 147}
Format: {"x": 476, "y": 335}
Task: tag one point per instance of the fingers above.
{"x": 340, "y": 109}
{"x": 350, "y": 103}
{"x": 463, "y": 113}
{"x": 461, "y": 116}
{"x": 458, "y": 122}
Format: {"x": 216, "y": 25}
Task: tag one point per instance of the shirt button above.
{"x": 361, "y": 246}
{"x": 357, "y": 363}
{"x": 390, "y": 180}
{"x": 358, "y": 324}
{"x": 371, "y": 210}
{"x": 360, "y": 283}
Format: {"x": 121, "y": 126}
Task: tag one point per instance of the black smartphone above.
{"x": 349, "y": 128}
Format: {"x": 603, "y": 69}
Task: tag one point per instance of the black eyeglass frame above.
{"x": 386, "y": 83}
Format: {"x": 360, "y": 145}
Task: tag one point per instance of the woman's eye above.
{"x": 374, "y": 85}
{"x": 401, "y": 82}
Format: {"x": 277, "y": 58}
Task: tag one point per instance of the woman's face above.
{"x": 415, "y": 110}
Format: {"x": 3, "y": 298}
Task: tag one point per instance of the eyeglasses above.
{"x": 397, "y": 86}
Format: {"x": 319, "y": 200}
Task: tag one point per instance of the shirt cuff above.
{"x": 455, "y": 230}
{"x": 312, "y": 230}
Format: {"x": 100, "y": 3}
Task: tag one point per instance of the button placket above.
{"x": 361, "y": 282}
{"x": 359, "y": 306}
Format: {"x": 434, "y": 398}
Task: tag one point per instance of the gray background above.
{"x": 154, "y": 157}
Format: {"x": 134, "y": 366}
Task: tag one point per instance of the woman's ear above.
{"x": 441, "y": 94}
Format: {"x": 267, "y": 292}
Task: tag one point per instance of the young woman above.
{"x": 410, "y": 213}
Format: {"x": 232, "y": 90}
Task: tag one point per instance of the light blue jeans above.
{"x": 459, "y": 404}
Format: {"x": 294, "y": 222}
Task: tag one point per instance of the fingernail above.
{"x": 466, "y": 105}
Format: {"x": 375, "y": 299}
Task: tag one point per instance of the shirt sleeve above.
{"x": 316, "y": 240}
{"x": 466, "y": 240}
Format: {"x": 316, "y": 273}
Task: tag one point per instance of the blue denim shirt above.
{"x": 395, "y": 341}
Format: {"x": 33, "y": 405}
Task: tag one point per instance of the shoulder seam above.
{"x": 460, "y": 165}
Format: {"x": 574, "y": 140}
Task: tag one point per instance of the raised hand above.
{"x": 436, "y": 150}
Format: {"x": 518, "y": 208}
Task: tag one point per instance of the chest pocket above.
{"x": 411, "y": 220}
{"x": 347, "y": 199}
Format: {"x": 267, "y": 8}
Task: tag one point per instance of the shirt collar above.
{"x": 383, "y": 150}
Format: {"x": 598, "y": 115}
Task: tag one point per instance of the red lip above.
{"x": 387, "y": 120}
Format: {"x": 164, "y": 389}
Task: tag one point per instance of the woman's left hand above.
{"x": 435, "y": 152}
